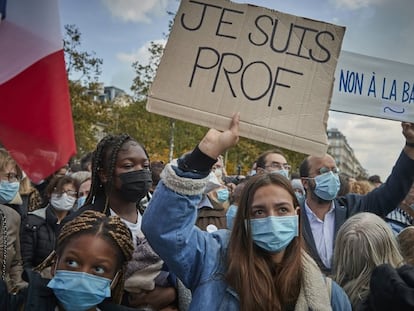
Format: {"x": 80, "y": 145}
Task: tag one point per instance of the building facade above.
{"x": 344, "y": 155}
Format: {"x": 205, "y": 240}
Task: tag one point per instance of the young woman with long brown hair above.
{"x": 260, "y": 264}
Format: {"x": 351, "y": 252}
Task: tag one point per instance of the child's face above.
{"x": 90, "y": 254}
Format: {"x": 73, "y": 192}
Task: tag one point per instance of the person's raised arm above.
{"x": 169, "y": 220}
{"x": 387, "y": 197}
{"x": 408, "y": 132}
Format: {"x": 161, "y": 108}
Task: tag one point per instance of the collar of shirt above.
{"x": 312, "y": 215}
{"x": 323, "y": 232}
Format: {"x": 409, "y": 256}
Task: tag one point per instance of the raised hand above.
{"x": 215, "y": 142}
{"x": 408, "y": 131}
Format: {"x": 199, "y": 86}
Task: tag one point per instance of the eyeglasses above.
{"x": 70, "y": 193}
{"x": 324, "y": 170}
{"x": 11, "y": 177}
{"x": 279, "y": 166}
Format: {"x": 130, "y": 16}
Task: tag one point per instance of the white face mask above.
{"x": 62, "y": 202}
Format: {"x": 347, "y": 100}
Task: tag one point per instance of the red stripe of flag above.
{"x": 36, "y": 124}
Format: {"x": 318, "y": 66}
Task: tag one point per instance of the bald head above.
{"x": 313, "y": 165}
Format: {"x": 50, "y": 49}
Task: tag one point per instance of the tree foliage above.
{"x": 85, "y": 65}
{"x": 83, "y": 70}
{"x": 146, "y": 72}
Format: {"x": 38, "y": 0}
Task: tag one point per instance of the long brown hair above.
{"x": 260, "y": 283}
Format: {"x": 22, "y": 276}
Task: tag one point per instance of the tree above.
{"x": 83, "y": 70}
{"x": 81, "y": 63}
{"x": 146, "y": 72}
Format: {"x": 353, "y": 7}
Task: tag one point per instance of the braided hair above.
{"x": 104, "y": 159}
{"x": 111, "y": 229}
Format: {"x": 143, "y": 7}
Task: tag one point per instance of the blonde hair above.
{"x": 406, "y": 240}
{"x": 361, "y": 187}
{"x": 363, "y": 242}
{"x": 6, "y": 159}
{"x": 25, "y": 186}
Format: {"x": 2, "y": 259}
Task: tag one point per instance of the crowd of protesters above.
{"x": 119, "y": 232}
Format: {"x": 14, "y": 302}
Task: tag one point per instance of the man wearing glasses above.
{"x": 272, "y": 161}
{"x": 324, "y": 213}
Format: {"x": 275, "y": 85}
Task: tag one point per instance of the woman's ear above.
{"x": 297, "y": 210}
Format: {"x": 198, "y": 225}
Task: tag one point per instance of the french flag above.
{"x": 36, "y": 124}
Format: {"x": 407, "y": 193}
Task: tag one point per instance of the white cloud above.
{"x": 141, "y": 54}
{"x": 136, "y": 10}
{"x": 356, "y": 4}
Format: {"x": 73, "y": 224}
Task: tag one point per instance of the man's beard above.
{"x": 314, "y": 196}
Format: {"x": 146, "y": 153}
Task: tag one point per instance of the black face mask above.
{"x": 135, "y": 185}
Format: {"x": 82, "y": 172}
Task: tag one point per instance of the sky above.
{"x": 119, "y": 32}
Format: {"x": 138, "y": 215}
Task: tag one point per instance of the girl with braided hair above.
{"x": 121, "y": 178}
{"x": 88, "y": 267}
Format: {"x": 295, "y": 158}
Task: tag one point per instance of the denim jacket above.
{"x": 198, "y": 258}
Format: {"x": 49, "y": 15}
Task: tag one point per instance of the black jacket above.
{"x": 39, "y": 233}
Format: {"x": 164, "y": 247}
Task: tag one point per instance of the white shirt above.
{"x": 134, "y": 227}
{"x": 323, "y": 233}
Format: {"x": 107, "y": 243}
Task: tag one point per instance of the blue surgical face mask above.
{"x": 282, "y": 172}
{"x": 8, "y": 190}
{"x": 222, "y": 195}
{"x": 273, "y": 233}
{"x": 81, "y": 201}
{"x": 300, "y": 197}
{"x": 230, "y": 215}
{"x": 79, "y": 291}
{"x": 327, "y": 186}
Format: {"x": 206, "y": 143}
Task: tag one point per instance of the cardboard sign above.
{"x": 375, "y": 87}
{"x": 276, "y": 69}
